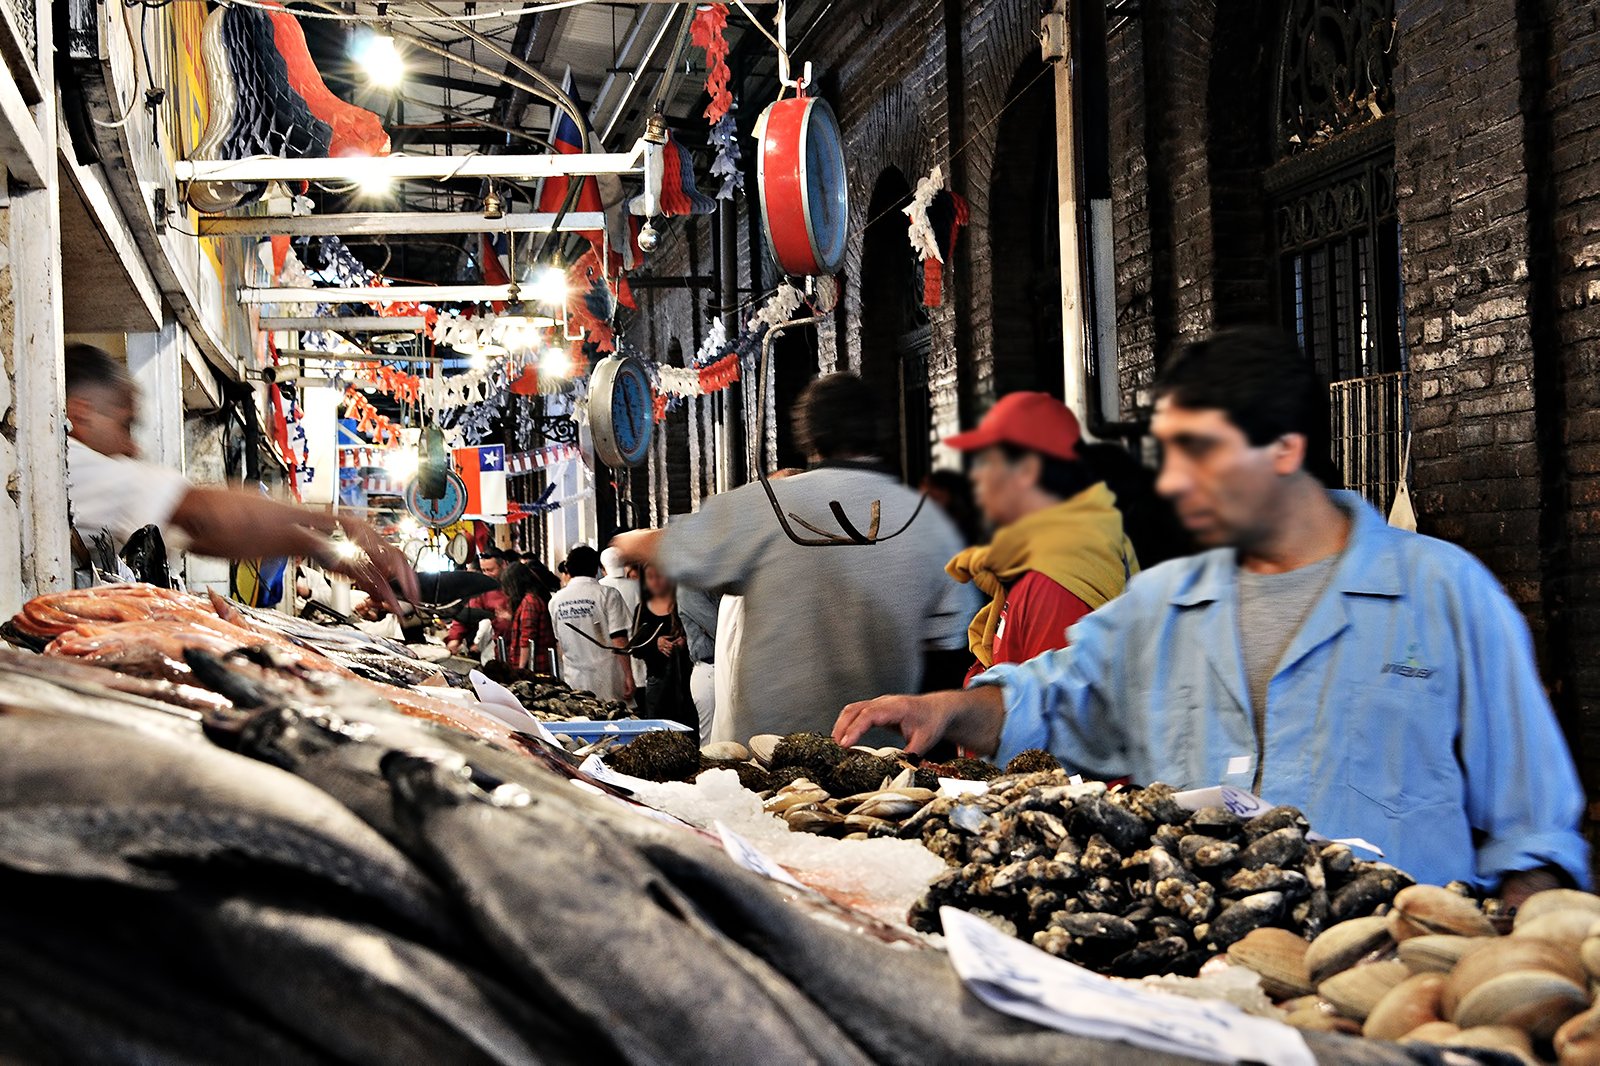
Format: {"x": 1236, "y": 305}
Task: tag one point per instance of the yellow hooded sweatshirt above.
{"x": 1078, "y": 543}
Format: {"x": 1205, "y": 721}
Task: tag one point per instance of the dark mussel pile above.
{"x": 1132, "y": 883}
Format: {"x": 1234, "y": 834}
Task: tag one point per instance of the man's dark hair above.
{"x": 518, "y": 582}
{"x": 836, "y": 417}
{"x": 1061, "y": 478}
{"x": 1263, "y": 382}
{"x": 583, "y": 561}
{"x": 88, "y": 367}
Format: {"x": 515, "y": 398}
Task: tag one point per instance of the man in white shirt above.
{"x": 616, "y": 574}
{"x": 113, "y": 494}
{"x": 590, "y": 621}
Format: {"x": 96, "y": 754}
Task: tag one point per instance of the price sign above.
{"x": 751, "y": 858}
{"x": 1018, "y": 979}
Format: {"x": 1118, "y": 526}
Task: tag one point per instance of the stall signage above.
{"x": 1018, "y": 979}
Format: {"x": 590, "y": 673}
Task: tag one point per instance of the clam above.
{"x": 892, "y": 805}
{"x": 1503, "y": 955}
{"x": 1557, "y": 899}
{"x": 800, "y": 793}
{"x": 813, "y": 820}
{"x": 1337, "y": 859}
{"x": 1423, "y": 909}
{"x": 763, "y": 745}
{"x": 1590, "y": 951}
{"x": 1365, "y": 894}
{"x": 1535, "y": 1001}
{"x": 1318, "y": 1020}
{"x": 1434, "y": 1033}
{"x": 1344, "y": 945}
{"x": 1278, "y": 957}
{"x": 1437, "y": 953}
{"x": 1568, "y": 927}
{"x": 861, "y": 823}
{"x": 1409, "y": 1004}
{"x": 1216, "y": 822}
{"x": 726, "y": 751}
{"x": 1577, "y": 1042}
{"x": 1356, "y": 991}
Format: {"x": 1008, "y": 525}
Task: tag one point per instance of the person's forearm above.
{"x": 980, "y": 715}
{"x": 642, "y": 547}
{"x": 232, "y": 524}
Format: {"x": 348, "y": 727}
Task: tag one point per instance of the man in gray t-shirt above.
{"x": 823, "y": 626}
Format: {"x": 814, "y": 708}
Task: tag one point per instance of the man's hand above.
{"x": 638, "y": 547}
{"x": 382, "y": 564}
{"x": 1517, "y": 887}
{"x": 972, "y": 718}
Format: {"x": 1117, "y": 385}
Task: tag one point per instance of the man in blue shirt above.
{"x": 1381, "y": 681}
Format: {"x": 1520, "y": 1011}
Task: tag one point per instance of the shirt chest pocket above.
{"x": 1400, "y": 740}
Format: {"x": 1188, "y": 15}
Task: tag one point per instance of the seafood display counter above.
{"x": 229, "y": 836}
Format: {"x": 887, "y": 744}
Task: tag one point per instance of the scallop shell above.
{"x": 1434, "y": 1033}
{"x": 1536, "y": 1001}
{"x": 1409, "y": 1004}
{"x": 726, "y": 751}
{"x": 1278, "y": 957}
{"x": 1423, "y": 909}
{"x": 1344, "y": 945}
{"x": 1356, "y": 991}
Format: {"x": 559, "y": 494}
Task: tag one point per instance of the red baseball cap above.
{"x": 1033, "y": 420}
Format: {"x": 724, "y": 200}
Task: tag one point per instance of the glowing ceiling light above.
{"x": 410, "y": 528}
{"x": 401, "y": 464}
{"x": 380, "y": 60}
{"x": 550, "y": 286}
{"x": 375, "y": 186}
{"x": 555, "y": 362}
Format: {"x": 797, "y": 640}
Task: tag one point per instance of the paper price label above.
{"x": 751, "y": 858}
{"x": 1247, "y": 805}
{"x": 1018, "y": 979}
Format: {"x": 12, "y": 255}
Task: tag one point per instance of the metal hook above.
{"x": 823, "y": 538}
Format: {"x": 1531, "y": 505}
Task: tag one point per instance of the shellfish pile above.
{"x": 1435, "y": 968}
{"x": 1133, "y": 883}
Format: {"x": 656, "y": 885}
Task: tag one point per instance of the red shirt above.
{"x": 530, "y": 626}
{"x": 495, "y": 601}
{"x": 1036, "y": 617}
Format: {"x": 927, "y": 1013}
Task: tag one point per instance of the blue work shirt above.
{"x": 1407, "y": 710}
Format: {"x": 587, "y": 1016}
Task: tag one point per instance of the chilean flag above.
{"x": 484, "y": 471}
{"x": 568, "y": 139}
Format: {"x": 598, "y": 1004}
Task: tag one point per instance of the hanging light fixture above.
{"x": 380, "y": 60}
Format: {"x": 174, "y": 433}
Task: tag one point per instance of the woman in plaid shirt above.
{"x": 531, "y": 642}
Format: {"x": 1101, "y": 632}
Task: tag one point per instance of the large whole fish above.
{"x": 586, "y": 922}
{"x": 83, "y": 798}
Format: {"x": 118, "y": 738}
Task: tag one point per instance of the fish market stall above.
{"x": 237, "y": 819}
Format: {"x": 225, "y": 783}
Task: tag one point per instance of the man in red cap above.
{"x": 1059, "y": 550}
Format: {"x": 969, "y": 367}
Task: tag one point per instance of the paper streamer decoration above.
{"x": 709, "y": 31}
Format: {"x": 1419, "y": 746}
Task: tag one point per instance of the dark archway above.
{"x": 1025, "y": 241}
{"x": 794, "y": 365}
{"x": 676, "y": 426}
{"x": 895, "y": 338}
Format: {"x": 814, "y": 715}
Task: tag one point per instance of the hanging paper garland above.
{"x": 672, "y": 183}
{"x": 779, "y": 308}
{"x": 725, "y": 139}
{"x": 709, "y": 31}
{"x": 923, "y": 241}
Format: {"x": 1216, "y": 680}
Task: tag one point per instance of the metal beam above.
{"x": 379, "y": 223}
{"x": 387, "y": 294}
{"x": 333, "y": 323}
{"x": 403, "y": 167}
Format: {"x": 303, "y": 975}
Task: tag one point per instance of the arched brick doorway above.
{"x": 895, "y": 338}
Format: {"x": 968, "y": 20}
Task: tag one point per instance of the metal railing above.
{"x": 1369, "y": 426}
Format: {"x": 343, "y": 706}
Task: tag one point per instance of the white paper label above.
{"x": 1247, "y": 805}
{"x": 1239, "y": 764}
{"x": 955, "y": 786}
{"x": 1018, "y": 979}
{"x": 497, "y": 700}
{"x": 750, "y": 857}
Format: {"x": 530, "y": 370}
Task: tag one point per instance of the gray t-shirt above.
{"x": 1272, "y": 608}
{"x": 823, "y": 626}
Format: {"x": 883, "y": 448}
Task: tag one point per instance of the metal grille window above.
{"x": 1336, "y": 229}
